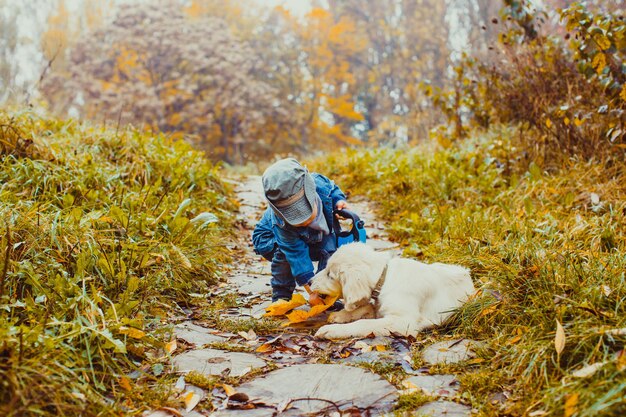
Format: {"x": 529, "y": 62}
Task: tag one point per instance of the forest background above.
{"x": 244, "y": 81}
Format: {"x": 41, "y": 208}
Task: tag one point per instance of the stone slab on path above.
{"x": 216, "y": 362}
{"x": 438, "y": 385}
{"x": 196, "y": 335}
{"x": 314, "y": 388}
{"x": 250, "y": 284}
{"x": 443, "y": 409}
{"x": 451, "y": 351}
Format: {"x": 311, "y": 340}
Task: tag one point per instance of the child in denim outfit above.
{"x": 297, "y": 227}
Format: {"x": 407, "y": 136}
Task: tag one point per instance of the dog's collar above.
{"x": 380, "y": 283}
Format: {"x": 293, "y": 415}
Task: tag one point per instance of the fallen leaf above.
{"x": 299, "y": 316}
{"x": 171, "y": 346}
{"x": 488, "y": 310}
{"x": 588, "y": 370}
{"x": 249, "y": 335}
{"x": 380, "y": 348}
{"x": 265, "y": 347}
{"x": 364, "y": 347}
{"x": 559, "y": 338}
{"x": 191, "y": 399}
{"x": 132, "y": 332}
{"x": 571, "y": 405}
{"x": 514, "y": 340}
{"x": 281, "y": 307}
{"x": 125, "y": 383}
{"x": 229, "y": 390}
{"x": 621, "y": 360}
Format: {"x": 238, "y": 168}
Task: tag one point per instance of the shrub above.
{"x": 98, "y": 241}
{"x": 542, "y": 248}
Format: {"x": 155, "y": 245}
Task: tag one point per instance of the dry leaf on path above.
{"x": 191, "y": 399}
{"x": 281, "y": 307}
{"x": 171, "y": 346}
{"x": 229, "y": 390}
{"x": 249, "y": 335}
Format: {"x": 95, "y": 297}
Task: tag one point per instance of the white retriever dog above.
{"x": 385, "y": 295}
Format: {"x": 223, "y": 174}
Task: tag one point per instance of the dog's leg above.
{"x": 344, "y": 316}
{"x": 379, "y": 327}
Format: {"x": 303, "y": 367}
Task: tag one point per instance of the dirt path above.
{"x": 287, "y": 372}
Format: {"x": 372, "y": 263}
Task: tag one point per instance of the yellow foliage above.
{"x": 299, "y": 316}
{"x": 343, "y": 107}
{"x": 599, "y": 62}
{"x": 280, "y": 307}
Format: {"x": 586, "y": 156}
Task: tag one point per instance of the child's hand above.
{"x": 341, "y": 204}
{"x": 315, "y": 299}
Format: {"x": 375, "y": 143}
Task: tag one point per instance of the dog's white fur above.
{"x": 414, "y": 296}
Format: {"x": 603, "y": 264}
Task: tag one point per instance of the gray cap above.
{"x": 290, "y": 190}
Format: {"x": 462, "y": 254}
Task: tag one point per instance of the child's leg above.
{"x": 282, "y": 282}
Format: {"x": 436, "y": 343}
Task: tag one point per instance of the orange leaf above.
{"x": 299, "y": 316}
{"x": 125, "y": 383}
{"x": 265, "y": 347}
{"x": 281, "y": 307}
{"x": 570, "y": 405}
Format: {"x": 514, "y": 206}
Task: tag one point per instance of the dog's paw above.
{"x": 331, "y": 331}
{"x": 339, "y": 317}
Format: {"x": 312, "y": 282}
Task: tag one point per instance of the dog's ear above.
{"x": 353, "y": 279}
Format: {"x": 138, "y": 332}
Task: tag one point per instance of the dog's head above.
{"x": 347, "y": 275}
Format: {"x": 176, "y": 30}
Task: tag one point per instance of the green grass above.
{"x": 541, "y": 246}
{"x": 101, "y": 232}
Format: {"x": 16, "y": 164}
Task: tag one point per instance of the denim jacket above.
{"x": 298, "y": 243}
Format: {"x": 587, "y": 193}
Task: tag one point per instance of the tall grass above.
{"x": 102, "y": 231}
{"x": 542, "y": 248}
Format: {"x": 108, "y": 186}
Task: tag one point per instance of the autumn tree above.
{"x": 156, "y": 66}
{"x": 407, "y": 45}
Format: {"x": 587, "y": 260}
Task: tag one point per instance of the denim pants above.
{"x": 283, "y": 282}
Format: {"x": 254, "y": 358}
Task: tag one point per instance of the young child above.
{"x": 297, "y": 227}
